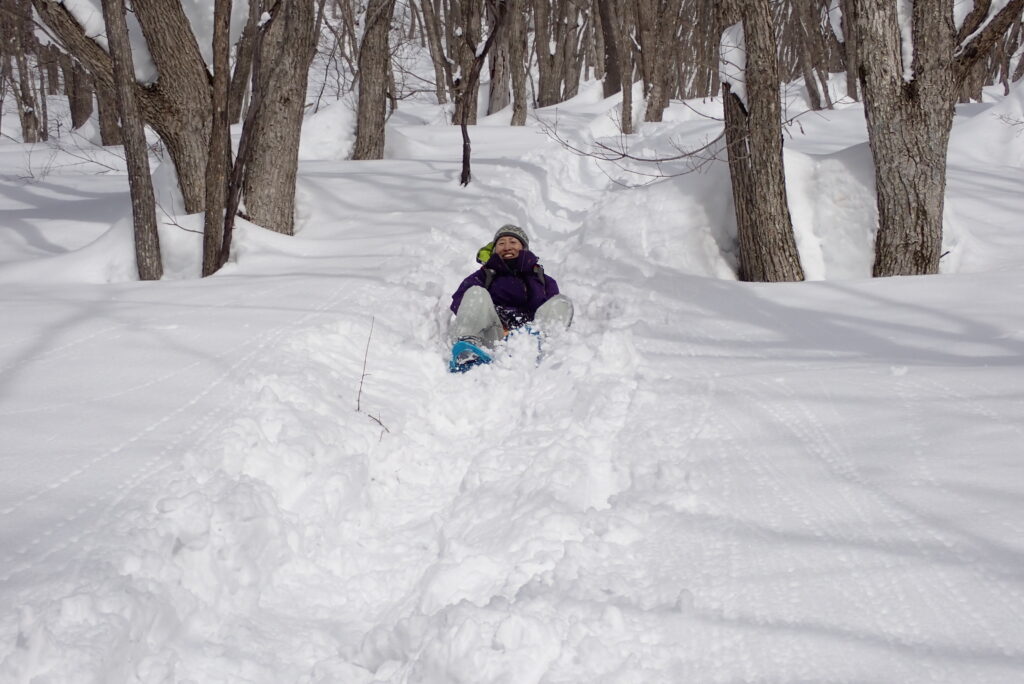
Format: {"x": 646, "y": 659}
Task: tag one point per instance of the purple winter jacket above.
{"x": 517, "y": 291}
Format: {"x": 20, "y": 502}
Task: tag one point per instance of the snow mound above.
{"x": 329, "y": 133}
{"x": 108, "y": 259}
{"x": 993, "y": 136}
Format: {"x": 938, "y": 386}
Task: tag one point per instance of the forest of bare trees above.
{"x": 539, "y": 52}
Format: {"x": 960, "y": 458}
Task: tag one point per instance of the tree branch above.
{"x": 969, "y": 53}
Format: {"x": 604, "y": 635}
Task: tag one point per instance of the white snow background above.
{"x": 702, "y": 481}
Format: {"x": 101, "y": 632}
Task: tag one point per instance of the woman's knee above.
{"x": 558, "y": 309}
{"x": 477, "y": 294}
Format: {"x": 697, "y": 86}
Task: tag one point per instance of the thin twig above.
{"x": 171, "y": 220}
{"x": 359, "y": 394}
{"x": 384, "y": 428}
{"x": 366, "y": 354}
{"x": 697, "y": 157}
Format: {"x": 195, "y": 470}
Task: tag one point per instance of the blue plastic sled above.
{"x": 465, "y": 356}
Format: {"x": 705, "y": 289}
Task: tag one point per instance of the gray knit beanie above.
{"x": 513, "y": 231}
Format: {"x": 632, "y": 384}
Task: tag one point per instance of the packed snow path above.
{"x": 701, "y": 481}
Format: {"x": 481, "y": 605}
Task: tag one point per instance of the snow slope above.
{"x": 270, "y": 476}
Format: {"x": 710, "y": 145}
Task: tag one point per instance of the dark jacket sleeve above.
{"x": 550, "y": 287}
{"x": 475, "y": 278}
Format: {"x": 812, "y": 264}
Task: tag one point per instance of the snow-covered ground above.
{"x": 269, "y": 475}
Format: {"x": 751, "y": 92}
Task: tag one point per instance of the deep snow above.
{"x": 704, "y": 480}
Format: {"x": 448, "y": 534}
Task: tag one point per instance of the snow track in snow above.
{"x": 49, "y": 538}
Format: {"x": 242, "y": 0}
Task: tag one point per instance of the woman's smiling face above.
{"x": 508, "y": 247}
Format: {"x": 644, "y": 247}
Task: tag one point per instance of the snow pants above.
{"x": 478, "y": 318}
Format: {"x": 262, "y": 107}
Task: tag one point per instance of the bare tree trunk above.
{"x": 574, "y": 51}
{"x": 700, "y": 34}
{"x": 67, "y": 70}
{"x": 51, "y": 63}
{"x": 626, "y": 26}
{"x": 550, "y": 19}
{"x": 6, "y": 55}
{"x": 974, "y": 84}
{"x": 416, "y": 22}
{"x": 1010, "y": 48}
{"x": 183, "y": 117}
{"x": 518, "y": 59}
{"x": 593, "y": 43}
{"x": 810, "y": 85}
{"x": 17, "y": 26}
{"x": 106, "y": 103}
{"x": 909, "y": 135}
{"x": 147, "y": 241}
{"x": 658, "y": 34}
{"x": 269, "y": 183}
{"x": 177, "y": 105}
{"x": 32, "y": 129}
{"x": 804, "y": 56}
{"x": 442, "y": 69}
{"x": 850, "y": 48}
{"x": 245, "y": 152}
{"x": 464, "y": 49}
{"x": 909, "y": 110}
{"x": 80, "y": 96}
{"x": 612, "y": 82}
{"x": 473, "y": 79}
{"x": 548, "y": 89}
{"x": 552, "y": 34}
{"x": 5, "y": 66}
{"x": 44, "y": 112}
{"x": 374, "y": 67}
{"x": 817, "y": 47}
{"x": 243, "y": 62}
{"x": 498, "y": 96}
{"x": 753, "y": 133}
{"x": 805, "y": 49}
{"x": 218, "y": 161}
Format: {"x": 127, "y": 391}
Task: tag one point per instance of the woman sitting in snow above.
{"x": 509, "y": 291}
